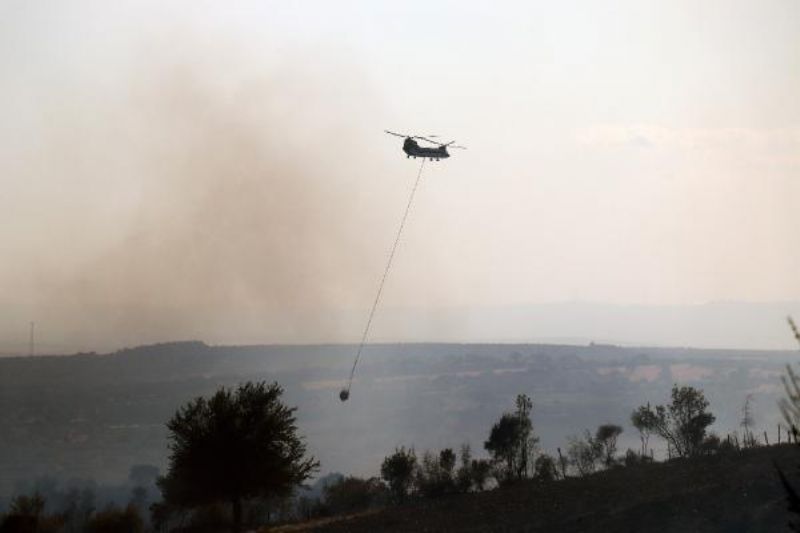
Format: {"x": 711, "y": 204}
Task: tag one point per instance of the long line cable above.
{"x": 346, "y": 392}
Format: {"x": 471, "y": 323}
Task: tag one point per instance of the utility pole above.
{"x": 30, "y": 340}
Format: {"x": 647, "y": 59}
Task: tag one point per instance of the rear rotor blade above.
{"x": 396, "y": 134}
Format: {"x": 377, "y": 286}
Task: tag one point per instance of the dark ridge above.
{"x": 735, "y": 492}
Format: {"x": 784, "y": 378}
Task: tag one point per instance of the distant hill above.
{"x": 727, "y": 493}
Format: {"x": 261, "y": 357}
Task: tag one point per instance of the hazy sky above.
{"x": 218, "y": 170}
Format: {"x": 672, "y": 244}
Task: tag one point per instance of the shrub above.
{"x": 398, "y": 472}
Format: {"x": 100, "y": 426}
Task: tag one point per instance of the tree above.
{"x": 790, "y": 407}
{"x": 511, "y": 440}
{"x": 643, "y": 419}
{"x": 480, "y": 469}
{"x": 430, "y": 478}
{"x": 447, "y": 462}
{"x": 584, "y": 453}
{"x": 398, "y": 472}
{"x": 25, "y": 505}
{"x": 236, "y": 445}
{"x": 606, "y": 438}
{"x": 26, "y": 513}
{"x": 682, "y": 423}
{"x": 353, "y": 494}
{"x": 545, "y": 469}
{"x": 463, "y": 479}
{"x": 711, "y": 444}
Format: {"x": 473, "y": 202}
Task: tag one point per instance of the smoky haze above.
{"x": 215, "y": 172}
{"x": 238, "y": 211}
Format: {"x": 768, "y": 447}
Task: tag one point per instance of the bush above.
{"x": 398, "y": 472}
{"x": 633, "y": 459}
{"x": 480, "y": 470}
{"x": 115, "y": 520}
{"x": 353, "y": 494}
{"x": 710, "y": 445}
{"x": 545, "y": 469}
{"x": 435, "y": 474}
{"x": 584, "y": 453}
{"x": 26, "y": 514}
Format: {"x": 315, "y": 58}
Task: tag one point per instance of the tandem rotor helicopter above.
{"x": 412, "y": 148}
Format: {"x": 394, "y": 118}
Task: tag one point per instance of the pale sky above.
{"x": 218, "y": 170}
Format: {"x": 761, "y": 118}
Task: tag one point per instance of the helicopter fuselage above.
{"x": 413, "y": 149}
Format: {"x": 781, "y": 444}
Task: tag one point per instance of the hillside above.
{"x": 92, "y": 416}
{"x": 726, "y": 493}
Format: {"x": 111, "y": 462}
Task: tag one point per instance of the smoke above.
{"x": 202, "y": 204}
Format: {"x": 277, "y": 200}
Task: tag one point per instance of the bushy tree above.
{"x": 606, "y": 438}
{"x": 26, "y": 514}
{"x": 711, "y": 444}
{"x": 512, "y": 442}
{"x": 643, "y": 419}
{"x": 682, "y": 423}
{"x": 632, "y": 458}
{"x": 545, "y": 469}
{"x": 398, "y": 470}
{"x": 353, "y": 494}
{"x": 237, "y": 444}
{"x": 481, "y": 470}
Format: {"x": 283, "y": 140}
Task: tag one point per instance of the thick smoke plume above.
{"x": 235, "y": 211}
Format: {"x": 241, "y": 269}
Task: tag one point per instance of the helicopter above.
{"x": 412, "y": 148}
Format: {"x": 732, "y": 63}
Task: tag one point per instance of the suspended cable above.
{"x": 345, "y": 393}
